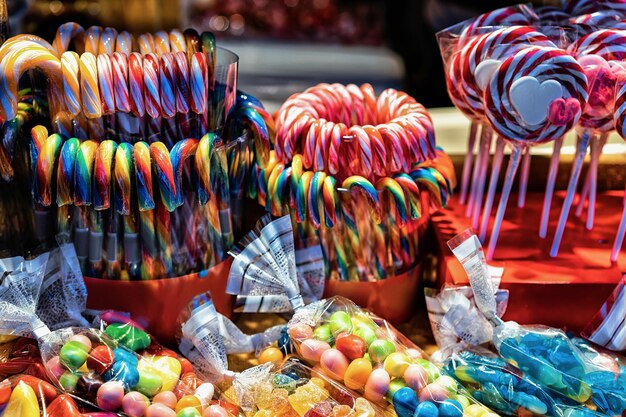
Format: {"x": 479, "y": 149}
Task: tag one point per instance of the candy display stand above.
{"x": 563, "y": 292}
{"x": 156, "y": 304}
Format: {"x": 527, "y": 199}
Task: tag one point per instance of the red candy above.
{"x": 100, "y": 359}
{"x": 41, "y": 388}
{"x": 63, "y": 406}
{"x": 352, "y": 346}
{"x": 5, "y": 392}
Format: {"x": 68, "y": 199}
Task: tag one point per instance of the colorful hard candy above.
{"x": 365, "y": 332}
{"x": 284, "y": 342}
{"x": 5, "y": 392}
{"x": 167, "y": 398}
{"x": 166, "y": 367}
{"x": 271, "y": 355}
{"x": 334, "y": 364}
{"x": 357, "y": 373}
{"x": 395, "y": 385}
{"x": 352, "y": 346}
{"x": 73, "y": 354}
{"x": 323, "y": 333}
{"x": 405, "y": 402}
{"x": 284, "y": 381}
{"x": 135, "y": 404}
{"x": 128, "y": 336}
{"x": 63, "y": 406}
{"x": 124, "y": 372}
{"x": 322, "y": 409}
{"x": 474, "y": 410}
{"x": 100, "y": 359}
{"x": 188, "y": 401}
{"x": 215, "y": 411}
{"x": 415, "y": 376}
{"x": 110, "y": 396}
{"x": 300, "y": 332}
{"x": 123, "y": 355}
{"x": 88, "y": 386}
{"x": 22, "y": 402}
{"x": 396, "y": 364}
{"x": 189, "y": 412}
{"x": 149, "y": 383}
{"x": 205, "y": 393}
{"x": 68, "y": 382}
{"x": 450, "y": 408}
{"x": 380, "y": 349}
{"x": 160, "y": 410}
{"x": 55, "y": 368}
{"x": 426, "y": 409}
{"x": 340, "y": 322}
{"x": 81, "y": 338}
{"x": 41, "y": 387}
{"x": 311, "y": 349}
{"x": 434, "y": 393}
{"x": 377, "y": 385}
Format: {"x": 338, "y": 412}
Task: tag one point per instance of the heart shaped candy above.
{"x": 532, "y": 99}
{"x": 563, "y": 111}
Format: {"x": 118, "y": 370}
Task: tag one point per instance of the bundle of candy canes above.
{"x": 529, "y": 76}
{"x": 124, "y": 125}
{"x": 350, "y": 168}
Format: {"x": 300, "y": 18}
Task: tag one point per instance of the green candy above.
{"x": 128, "y": 336}
{"x": 188, "y": 412}
{"x": 324, "y": 334}
{"x": 394, "y": 386}
{"x": 365, "y": 332}
{"x": 73, "y": 354}
{"x": 149, "y": 384}
{"x": 448, "y": 382}
{"x": 380, "y": 349}
{"x": 340, "y": 322}
{"x": 431, "y": 369}
{"x": 68, "y": 382}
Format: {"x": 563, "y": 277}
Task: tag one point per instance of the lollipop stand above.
{"x": 563, "y": 292}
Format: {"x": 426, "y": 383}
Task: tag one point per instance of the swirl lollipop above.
{"x": 535, "y": 96}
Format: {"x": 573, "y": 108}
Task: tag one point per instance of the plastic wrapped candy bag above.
{"x": 272, "y": 389}
{"x": 544, "y": 354}
{"x": 111, "y": 370}
{"x": 345, "y": 341}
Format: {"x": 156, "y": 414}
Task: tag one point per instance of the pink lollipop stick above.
{"x": 511, "y": 170}
{"x": 523, "y": 181}
{"x": 547, "y": 199}
{"x": 469, "y": 210}
{"x": 583, "y": 142}
{"x": 482, "y": 175}
{"x": 619, "y": 237}
{"x": 467, "y": 163}
{"x": 596, "y": 150}
{"x": 584, "y": 193}
{"x": 493, "y": 184}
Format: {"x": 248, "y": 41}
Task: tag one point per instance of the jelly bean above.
{"x": 110, "y": 396}
{"x": 215, "y": 411}
{"x": 128, "y": 336}
{"x": 377, "y": 385}
{"x": 88, "y": 386}
{"x": 62, "y": 406}
{"x": 415, "y": 376}
{"x": 188, "y": 412}
{"x": 448, "y": 383}
{"x": 426, "y": 409}
{"x": 166, "y": 367}
{"x": 271, "y": 355}
{"x": 160, "y": 410}
{"x": 81, "y": 338}
{"x": 365, "y": 332}
{"x": 357, "y": 373}
{"x": 188, "y": 401}
{"x": 167, "y": 398}
{"x": 5, "y": 392}
{"x": 340, "y": 322}
{"x": 205, "y": 393}
{"x": 123, "y": 355}
{"x": 55, "y": 368}
{"x": 100, "y": 359}
{"x": 396, "y": 364}
{"x": 283, "y": 381}
{"x": 68, "y": 382}
{"x": 41, "y": 387}
{"x": 300, "y": 332}
{"x": 311, "y": 349}
{"x": 149, "y": 383}
{"x": 323, "y": 333}
{"x": 352, "y": 346}
{"x": 127, "y": 374}
{"x": 405, "y": 402}
{"x": 334, "y": 364}
{"x": 73, "y": 355}
{"x": 135, "y": 404}
{"x": 394, "y": 386}
{"x": 380, "y": 349}
{"x": 433, "y": 392}
{"x": 450, "y": 408}
{"x": 22, "y": 402}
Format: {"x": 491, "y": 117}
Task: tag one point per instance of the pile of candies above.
{"x": 529, "y": 76}
{"x": 352, "y": 167}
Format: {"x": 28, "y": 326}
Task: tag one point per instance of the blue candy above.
{"x": 450, "y": 408}
{"x": 426, "y": 409}
{"x": 123, "y": 355}
{"x": 123, "y": 372}
{"x": 405, "y": 402}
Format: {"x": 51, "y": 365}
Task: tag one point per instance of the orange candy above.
{"x": 271, "y": 354}
{"x": 189, "y": 401}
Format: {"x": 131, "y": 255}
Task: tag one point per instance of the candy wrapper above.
{"x": 346, "y": 343}
{"x": 272, "y": 389}
{"x": 544, "y": 354}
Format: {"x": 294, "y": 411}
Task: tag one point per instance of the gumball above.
{"x": 357, "y": 373}
{"x": 396, "y": 364}
{"x": 135, "y": 404}
{"x": 448, "y": 383}
{"x": 311, "y": 349}
{"x": 365, "y": 332}
{"x": 323, "y": 333}
{"x": 340, "y": 322}
{"x": 395, "y": 385}
{"x": 380, "y": 349}
{"x": 160, "y": 410}
{"x": 271, "y": 354}
{"x": 215, "y": 411}
{"x": 123, "y": 355}
{"x": 405, "y": 402}
{"x": 415, "y": 376}
{"x": 188, "y": 401}
{"x": 110, "y": 396}
{"x": 426, "y": 409}
{"x": 450, "y": 408}
{"x": 377, "y": 385}
{"x": 149, "y": 383}
{"x": 55, "y": 368}
{"x": 205, "y": 393}
{"x": 100, "y": 359}
{"x": 433, "y": 392}
{"x": 189, "y": 412}
{"x": 68, "y": 382}
{"x": 73, "y": 355}
{"x": 167, "y": 398}
{"x": 81, "y": 338}
{"x": 300, "y": 332}
{"x": 431, "y": 369}
{"x": 334, "y": 364}
{"x": 352, "y": 346}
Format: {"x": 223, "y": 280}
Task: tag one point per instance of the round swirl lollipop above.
{"x": 535, "y": 96}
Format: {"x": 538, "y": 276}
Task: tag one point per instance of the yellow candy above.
{"x": 22, "y": 403}
{"x": 263, "y": 413}
{"x": 189, "y": 401}
{"x": 357, "y": 373}
{"x": 166, "y": 367}
{"x": 465, "y": 402}
{"x": 318, "y": 381}
{"x": 474, "y": 410}
{"x": 396, "y": 364}
{"x": 271, "y": 354}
